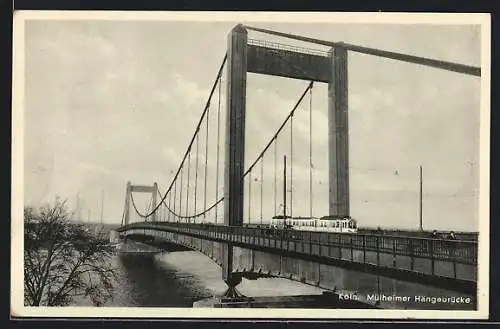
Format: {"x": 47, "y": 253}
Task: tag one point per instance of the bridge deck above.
{"x": 432, "y": 261}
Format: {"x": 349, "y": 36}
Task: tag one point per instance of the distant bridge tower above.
{"x": 141, "y": 189}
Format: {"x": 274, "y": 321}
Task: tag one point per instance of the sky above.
{"x": 108, "y": 102}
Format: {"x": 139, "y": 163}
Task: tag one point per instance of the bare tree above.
{"x": 63, "y": 259}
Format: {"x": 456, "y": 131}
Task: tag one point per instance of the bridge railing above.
{"x": 441, "y": 234}
{"x": 370, "y": 248}
{"x": 281, "y": 46}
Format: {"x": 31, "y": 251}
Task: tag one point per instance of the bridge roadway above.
{"x": 363, "y": 265}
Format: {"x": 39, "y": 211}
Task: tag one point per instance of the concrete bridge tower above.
{"x": 332, "y": 69}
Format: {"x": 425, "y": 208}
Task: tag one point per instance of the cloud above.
{"x": 108, "y": 102}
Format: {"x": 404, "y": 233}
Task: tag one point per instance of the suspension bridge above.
{"x": 231, "y": 224}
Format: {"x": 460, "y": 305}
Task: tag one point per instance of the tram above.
{"x": 323, "y": 224}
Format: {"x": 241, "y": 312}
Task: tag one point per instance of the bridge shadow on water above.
{"x": 189, "y": 279}
{"x": 150, "y": 283}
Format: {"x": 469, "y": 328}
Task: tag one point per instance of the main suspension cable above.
{"x": 135, "y": 206}
{"x": 180, "y": 169}
{"x": 195, "y": 215}
{"x": 450, "y": 66}
{"x": 274, "y": 140}
{"x": 207, "y": 105}
{"x": 279, "y": 129}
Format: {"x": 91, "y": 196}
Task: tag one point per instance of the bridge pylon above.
{"x": 235, "y": 144}
{"x": 141, "y": 189}
{"x": 244, "y": 56}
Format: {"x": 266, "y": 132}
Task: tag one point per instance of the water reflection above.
{"x": 147, "y": 281}
{"x": 178, "y": 279}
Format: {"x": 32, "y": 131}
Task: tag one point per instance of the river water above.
{"x": 177, "y": 279}
{"x": 180, "y": 278}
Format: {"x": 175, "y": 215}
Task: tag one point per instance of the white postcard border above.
{"x": 17, "y": 299}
